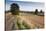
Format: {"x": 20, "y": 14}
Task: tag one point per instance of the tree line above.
{"x": 14, "y": 9}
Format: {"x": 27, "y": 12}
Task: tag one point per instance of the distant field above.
{"x": 24, "y": 21}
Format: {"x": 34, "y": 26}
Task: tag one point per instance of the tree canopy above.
{"x": 14, "y": 9}
{"x": 41, "y": 11}
{"x": 36, "y": 11}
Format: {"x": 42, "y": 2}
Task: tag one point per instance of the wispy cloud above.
{"x": 26, "y": 6}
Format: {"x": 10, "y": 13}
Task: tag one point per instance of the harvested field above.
{"x": 27, "y": 21}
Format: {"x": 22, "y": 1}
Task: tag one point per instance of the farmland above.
{"x": 24, "y": 21}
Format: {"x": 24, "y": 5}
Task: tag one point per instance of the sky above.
{"x": 25, "y": 5}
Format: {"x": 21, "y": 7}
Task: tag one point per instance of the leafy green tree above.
{"x": 36, "y": 11}
{"x": 14, "y": 9}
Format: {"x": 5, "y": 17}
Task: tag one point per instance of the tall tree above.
{"x": 41, "y": 11}
{"x": 14, "y": 9}
{"x": 36, "y": 11}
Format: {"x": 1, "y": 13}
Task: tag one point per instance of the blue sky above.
{"x": 25, "y": 5}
